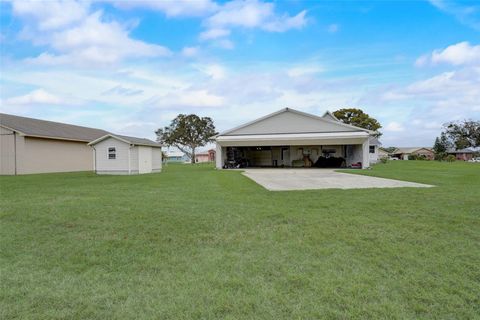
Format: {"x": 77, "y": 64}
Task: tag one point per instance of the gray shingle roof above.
{"x": 139, "y": 141}
{"x": 50, "y": 129}
{"x": 466, "y": 150}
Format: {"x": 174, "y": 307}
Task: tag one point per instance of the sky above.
{"x": 130, "y": 67}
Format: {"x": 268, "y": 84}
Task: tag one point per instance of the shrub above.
{"x": 384, "y": 160}
{"x": 413, "y": 157}
{"x": 440, "y": 156}
{"x": 450, "y": 158}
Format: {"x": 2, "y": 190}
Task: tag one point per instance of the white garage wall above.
{"x": 156, "y": 159}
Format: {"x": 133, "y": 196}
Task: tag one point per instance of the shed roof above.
{"x": 129, "y": 140}
{"x": 49, "y": 129}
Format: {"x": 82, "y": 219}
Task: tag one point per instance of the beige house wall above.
{"x": 49, "y": 155}
{"x": 7, "y": 151}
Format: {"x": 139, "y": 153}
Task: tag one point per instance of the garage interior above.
{"x": 316, "y": 156}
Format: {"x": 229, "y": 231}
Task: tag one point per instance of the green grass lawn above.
{"x": 196, "y": 243}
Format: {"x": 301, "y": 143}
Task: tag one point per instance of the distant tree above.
{"x": 440, "y": 147}
{"x": 187, "y": 133}
{"x": 463, "y": 134}
{"x": 357, "y": 117}
{"x": 390, "y": 149}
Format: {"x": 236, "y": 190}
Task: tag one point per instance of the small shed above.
{"x": 118, "y": 154}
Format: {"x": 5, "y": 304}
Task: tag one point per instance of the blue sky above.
{"x": 132, "y": 66}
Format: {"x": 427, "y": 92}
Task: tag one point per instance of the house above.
{"x": 118, "y": 154}
{"x": 405, "y": 153}
{"x": 37, "y": 146}
{"x": 176, "y": 156}
{"x": 291, "y": 138}
{"x": 373, "y": 149}
{"x": 382, "y": 153}
{"x": 462, "y": 154}
{"x": 207, "y": 156}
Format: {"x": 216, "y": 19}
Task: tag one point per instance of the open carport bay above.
{"x": 306, "y": 179}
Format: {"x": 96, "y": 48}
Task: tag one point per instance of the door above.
{"x": 144, "y": 159}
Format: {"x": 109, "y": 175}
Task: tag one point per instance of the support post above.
{"x": 365, "y": 154}
{"x": 218, "y": 156}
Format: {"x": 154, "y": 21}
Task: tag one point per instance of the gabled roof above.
{"x": 49, "y": 129}
{"x": 290, "y": 121}
{"x": 127, "y": 139}
{"x": 410, "y": 150}
{"x": 374, "y": 141}
{"x": 329, "y": 115}
{"x": 465, "y": 150}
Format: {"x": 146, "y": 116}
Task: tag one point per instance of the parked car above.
{"x": 393, "y": 158}
{"x": 474, "y": 160}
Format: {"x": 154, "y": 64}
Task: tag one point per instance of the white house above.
{"x": 291, "y": 138}
{"x": 374, "y": 150}
{"x": 117, "y": 154}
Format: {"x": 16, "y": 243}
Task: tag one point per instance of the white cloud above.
{"x": 80, "y": 41}
{"x": 214, "y": 34}
{"x": 56, "y": 14}
{"x": 303, "y": 70}
{"x": 394, "y": 127}
{"x": 467, "y": 12}
{"x": 254, "y": 14}
{"x": 458, "y": 54}
{"x": 190, "y": 51}
{"x": 39, "y": 96}
{"x": 174, "y": 8}
{"x": 214, "y": 71}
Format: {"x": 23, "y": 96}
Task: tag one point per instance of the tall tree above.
{"x": 187, "y": 133}
{"x": 358, "y": 118}
{"x": 441, "y": 145}
{"x": 464, "y": 133}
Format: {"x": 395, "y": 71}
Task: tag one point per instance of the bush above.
{"x": 440, "y": 156}
{"x": 412, "y": 157}
{"x": 384, "y": 160}
{"x": 450, "y": 158}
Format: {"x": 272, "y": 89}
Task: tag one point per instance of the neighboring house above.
{"x": 207, "y": 156}
{"x": 176, "y": 156}
{"x": 37, "y": 146}
{"x": 382, "y": 153}
{"x": 118, "y": 154}
{"x": 374, "y": 149}
{"x": 404, "y": 153}
{"x": 292, "y": 138}
{"x": 462, "y": 154}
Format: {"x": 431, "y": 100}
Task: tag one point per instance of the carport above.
{"x": 290, "y": 138}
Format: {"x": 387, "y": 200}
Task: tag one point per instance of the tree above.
{"x": 358, "y": 118}
{"x": 187, "y": 133}
{"x": 440, "y": 147}
{"x": 464, "y": 133}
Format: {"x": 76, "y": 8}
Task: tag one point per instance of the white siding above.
{"x": 290, "y": 122}
{"x": 112, "y": 166}
{"x": 134, "y": 160}
{"x": 156, "y": 159}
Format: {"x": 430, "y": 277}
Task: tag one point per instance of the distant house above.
{"x": 382, "y": 153}
{"x": 176, "y": 156}
{"x": 118, "y": 154}
{"x": 207, "y": 156}
{"x": 462, "y": 154}
{"x": 37, "y": 146}
{"x": 405, "y": 153}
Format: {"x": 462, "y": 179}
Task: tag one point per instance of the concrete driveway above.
{"x": 305, "y": 179}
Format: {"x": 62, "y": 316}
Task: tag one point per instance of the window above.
{"x": 372, "y": 149}
{"x": 112, "y": 153}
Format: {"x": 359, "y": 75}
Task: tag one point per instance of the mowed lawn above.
{"x": 196, "y": 243}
